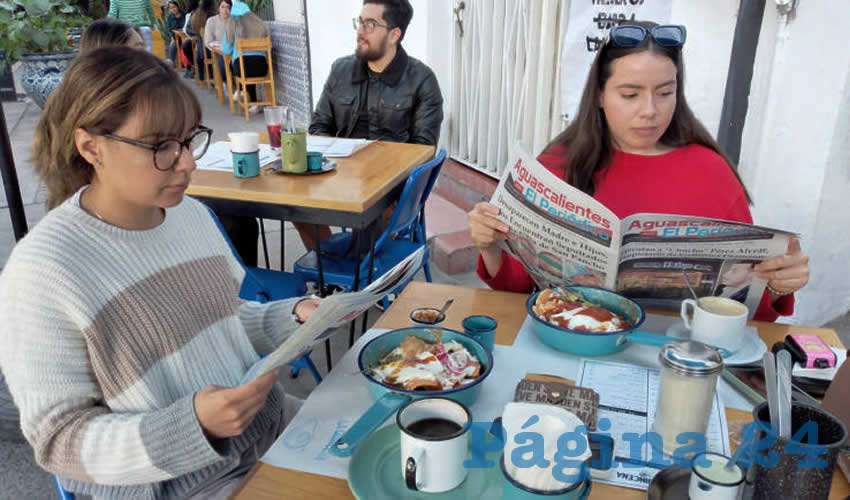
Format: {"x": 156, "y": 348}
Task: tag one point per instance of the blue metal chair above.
{"x": 63, "y": 493}
{"x": 265, "y": 285}
{"x": 404, "y": 225}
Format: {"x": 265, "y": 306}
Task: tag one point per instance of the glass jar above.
{"x": 689, "y": 371}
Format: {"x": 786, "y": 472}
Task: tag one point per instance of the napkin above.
{"x": 549, "y": 423}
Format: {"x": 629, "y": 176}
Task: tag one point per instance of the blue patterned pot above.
{"x": 42, "y": 73}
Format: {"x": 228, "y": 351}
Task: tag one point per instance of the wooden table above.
{"x": 268, "y": 482}
{"x": 353, "y": 195}
{"x": 219, "y": 88}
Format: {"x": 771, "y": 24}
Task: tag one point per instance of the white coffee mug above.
{"x": 716, "y": 321}
{"x": 434, "y": 444}
{"x": 714, "y": 481}
{"x": 244, "y": 142}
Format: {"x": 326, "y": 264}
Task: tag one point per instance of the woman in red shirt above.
{"x": 636, "y": 146}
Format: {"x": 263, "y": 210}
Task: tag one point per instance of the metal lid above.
{"x": 691, "y": 358}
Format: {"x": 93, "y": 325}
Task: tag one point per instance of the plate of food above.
{"x": 588, "y": 321}
{"x": 413, "y": 363}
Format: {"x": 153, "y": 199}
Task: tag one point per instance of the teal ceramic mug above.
{"x": 481, "y": 328}
{"x": 314, "y": 161}
{"x": 512, "y": 490}
{"x": 246, "y": 164}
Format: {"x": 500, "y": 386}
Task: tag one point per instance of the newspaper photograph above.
{"x": 334, "y": 311}
{"x": 564, "y": 237}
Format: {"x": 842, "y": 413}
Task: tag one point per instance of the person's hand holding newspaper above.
{"x": 486, "y": 232}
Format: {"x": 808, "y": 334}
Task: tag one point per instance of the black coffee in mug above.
{"x": 434, "y": 427}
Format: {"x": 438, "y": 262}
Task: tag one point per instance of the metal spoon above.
{"x": 783, "y": 380}
{"x": 446, "y": 306}
{"x": 685, "y": 275}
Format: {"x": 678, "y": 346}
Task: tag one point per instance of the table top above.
{"x": 268, "y": 482}
{"x": 358, "y": 182}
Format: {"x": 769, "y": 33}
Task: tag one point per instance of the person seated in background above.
{"x": 174, "y": 20}
{"x": 127, "y": 367}
{"x": 139, "y": 13}
{"x": 243, "y": 23}
{"x": 636, "y": 146}
{"x": 380, "y": 92}
{"x": 214, "y": 31}
{"x": 110, "y": 31}
{"x": 196, "y": 19}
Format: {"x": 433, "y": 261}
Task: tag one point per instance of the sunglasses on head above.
{"x": 627, "y": 36}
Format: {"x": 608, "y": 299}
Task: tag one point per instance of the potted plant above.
{"x": 35, "y": 33}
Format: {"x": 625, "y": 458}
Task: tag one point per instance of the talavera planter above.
{"x": 42, "y": 73}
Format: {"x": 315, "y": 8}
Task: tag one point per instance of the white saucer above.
{"x": 751, "y": 352}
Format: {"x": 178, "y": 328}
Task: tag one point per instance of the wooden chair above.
{"x": 195, "y": 63}
{"x": 207, "y": 62}
{"x": 179, "y": 36}
{"x": 242, "y": 82}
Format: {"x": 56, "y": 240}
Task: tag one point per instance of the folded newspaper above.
{"x": 335, "y": 311}
{"x": 565, "y": 237}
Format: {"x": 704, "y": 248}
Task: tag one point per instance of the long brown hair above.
{"x": 248, "y": 26}
{"x": 100, "y": 90}
{"x": 205, "y": 10}
{"x": 587, "y": 139}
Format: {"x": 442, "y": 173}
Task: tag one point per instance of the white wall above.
{"x": 711, "y": 28}
{"x": 796, "y": 151}
{"x": 291, "y": 11}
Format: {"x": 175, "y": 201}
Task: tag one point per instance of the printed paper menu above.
{"x": 627, "y": 398}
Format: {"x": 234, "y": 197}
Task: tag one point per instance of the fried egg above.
{"x": 425, "y": 371}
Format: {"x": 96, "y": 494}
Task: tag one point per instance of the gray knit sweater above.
{"x": 105, "y": 336}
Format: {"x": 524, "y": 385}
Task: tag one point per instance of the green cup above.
{"x": 294, "y": 146}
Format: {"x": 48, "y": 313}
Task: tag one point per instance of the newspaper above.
{"x": 334, "y": 311}
{"x": 564, "y": 237}
{"x": 335, "y": 147}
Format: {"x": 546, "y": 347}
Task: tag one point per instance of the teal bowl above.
{"x": 388, "y": 399}
{"x": 595, "y": 344}
{"x": 380, "y": 346}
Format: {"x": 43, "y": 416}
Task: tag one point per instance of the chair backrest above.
{"x": 412, "y": 199}
{"x": 254, "y": 45}
{"x": 63, "y": 493}
{"x": 249, "y": 276}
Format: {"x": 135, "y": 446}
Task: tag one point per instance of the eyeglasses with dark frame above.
{"x": 368, "y": 25}
{"x": 628, "y": 36}
{"x": 166, "y": 154}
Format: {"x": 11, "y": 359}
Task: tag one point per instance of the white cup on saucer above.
{"x": 717, "y": 321}
{"x": 434, "y": 444}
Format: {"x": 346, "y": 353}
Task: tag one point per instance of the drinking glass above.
{"x": 275, "y": 117}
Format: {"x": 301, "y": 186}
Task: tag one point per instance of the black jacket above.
{"x": 409, "y": 104}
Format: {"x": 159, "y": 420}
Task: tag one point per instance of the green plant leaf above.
{"x": 40, "y": 38}
{"x": 37, "y": 8}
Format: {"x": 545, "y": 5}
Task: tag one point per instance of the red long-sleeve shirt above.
{"x": 691, "y": 180}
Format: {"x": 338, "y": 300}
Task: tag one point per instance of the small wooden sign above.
{"x": 581, "y": 401}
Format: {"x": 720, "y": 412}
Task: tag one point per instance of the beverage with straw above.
{"x": 275, "y": 117}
